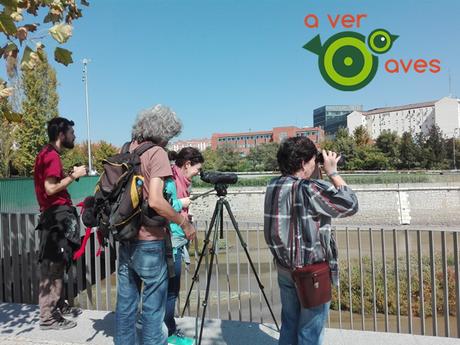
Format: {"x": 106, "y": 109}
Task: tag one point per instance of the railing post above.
{"x": 457, "y": 281}
{"x": 409, "y": 281}
{"x": 349, "y": 278}
{"x": 445, "y": 285}
{"x": 421, "y": 283}
{"x": 385, "y": 285}
{"x": 374, "y": 298}
{"x": 361, "y": 276}
{"x": 434, "y": 308}
{"x": 398, "y": 300}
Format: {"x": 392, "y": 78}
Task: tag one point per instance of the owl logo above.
{"x": 344, "y": 60}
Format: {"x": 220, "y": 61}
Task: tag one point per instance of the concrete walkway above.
{"x": 19, "y": 326}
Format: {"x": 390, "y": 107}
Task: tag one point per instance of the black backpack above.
{"x": 117, "y": 204}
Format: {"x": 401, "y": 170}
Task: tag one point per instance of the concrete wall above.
{"x": 420, "y": 205}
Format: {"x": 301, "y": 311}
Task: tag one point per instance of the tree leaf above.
{"x": 52, "y": 18}
{"x": 7, "y": 24}
{"x": 17, "y": 16}
{"x": 12, "y": 116}
{"x": 84, "y": 3}
{"x": 10, "y": 47}
{"x": 61, "y": 32}
{"x": 11, "y": 65}
{"x": 29, "y": 58}
{"x": 21, "y": 34}
{"x": 9, "y": 3}
{"x": 5, "y": 91}
{"x": 31, "y": 27}
{"x": 23, "y": 4}
{"x": 41, "y": 51}
{"x": 63, "y": 56}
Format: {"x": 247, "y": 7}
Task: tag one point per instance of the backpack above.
{"x": 117, "y": 204}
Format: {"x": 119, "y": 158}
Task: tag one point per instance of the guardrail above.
{"x": 404, "y": 281}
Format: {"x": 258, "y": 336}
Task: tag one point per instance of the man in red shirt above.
{"x": 59, "y": 223}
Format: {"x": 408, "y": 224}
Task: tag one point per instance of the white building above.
{"x": 413, "y": 118}
{"x": 200, "y": 144}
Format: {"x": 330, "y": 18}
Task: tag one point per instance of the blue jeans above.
{"x": 141, "y": 262}
{"x": 299, "y": 326}
{"x": 173, "y": 293}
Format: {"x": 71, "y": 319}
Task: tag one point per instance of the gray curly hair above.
{"x": 158, "y": 124}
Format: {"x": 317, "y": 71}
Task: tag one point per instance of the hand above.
{"x": 330, "y": 161}
{"x": 189, "y": 231}
{"x": 185, "y": 202}
{"x": 78, "y": 171}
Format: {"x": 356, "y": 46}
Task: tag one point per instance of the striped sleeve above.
{"x": 327, "y": 200}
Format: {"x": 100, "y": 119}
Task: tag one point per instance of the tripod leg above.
{"x": 212, "y": 251}
{"x": 244, "y": 245}
{"x": 205, "y": 244}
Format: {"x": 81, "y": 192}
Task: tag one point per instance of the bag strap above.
{"x": 140, "y": 149}
{"x": 143, "y": 147}
{"x": 293, "y": 228}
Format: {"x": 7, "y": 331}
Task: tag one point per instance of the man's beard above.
{"x": 68, "y": 144}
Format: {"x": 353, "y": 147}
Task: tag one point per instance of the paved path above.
{"x": 19, "y": 326}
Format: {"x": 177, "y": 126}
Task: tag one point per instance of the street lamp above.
{"x": 85, "y": 80}
{"x": 454, "y": 137}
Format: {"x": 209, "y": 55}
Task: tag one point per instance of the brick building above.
{"x": 244, "y": 141}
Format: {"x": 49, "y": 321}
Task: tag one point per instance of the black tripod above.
{"x": 217, "y": 224}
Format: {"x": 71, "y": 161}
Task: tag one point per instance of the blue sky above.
{"x": 235, "y": 65}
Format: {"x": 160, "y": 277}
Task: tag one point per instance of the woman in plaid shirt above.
{"x": 317, "y": 201}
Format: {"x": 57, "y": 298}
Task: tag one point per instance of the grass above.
{"x": 391, "y": 287}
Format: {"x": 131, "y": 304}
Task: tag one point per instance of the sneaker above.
{"x": 67, "y": 310}
{"x": 60, "y": 324}
{"x": 178, "y": 338}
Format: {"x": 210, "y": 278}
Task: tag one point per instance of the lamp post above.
{"x": 85, "y": 80}
{"x": 454, "y": 137}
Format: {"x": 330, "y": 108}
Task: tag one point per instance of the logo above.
{"x": 344, "y": 60}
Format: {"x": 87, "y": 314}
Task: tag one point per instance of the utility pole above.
{"x": 454, "y": 137}
{"x": 85, "y": 80}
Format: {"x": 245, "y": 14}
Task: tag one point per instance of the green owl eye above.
{"x": 380, "y": 41}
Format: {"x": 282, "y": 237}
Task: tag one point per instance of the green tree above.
{"x": 100, "y": 151}
{"x": 435, "y": 146}
{"x": 228, "y": 158}
{"x": 451, "y": 150}
{"x": 421, "y": 151}
{"x": 344, "y": 144}
{"x": 263, "y": 157}
{"x": 368, "y": 158}
{"x": 75, "y": 156}
{"x": 388, "y": 143}
{"x": 40, "y": 104}
{"x": 408, "y": 152}
{"x": 6, "y": 140}
{"x": 361, "y": 136}
{"x": 210, "y": 159}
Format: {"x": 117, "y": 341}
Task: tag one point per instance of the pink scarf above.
{"x": 182, "y": 185}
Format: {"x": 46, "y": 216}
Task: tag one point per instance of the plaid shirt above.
{"x": 316, "y": 202}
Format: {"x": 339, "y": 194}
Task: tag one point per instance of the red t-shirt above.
{"x": 48, "y": 164}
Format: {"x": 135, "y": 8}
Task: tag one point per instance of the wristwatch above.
{"x": 335, "y": 173}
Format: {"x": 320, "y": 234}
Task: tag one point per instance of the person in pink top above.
{"x": 187, "y": 163}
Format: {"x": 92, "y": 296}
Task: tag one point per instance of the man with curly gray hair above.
{"x": 144, "y": 259}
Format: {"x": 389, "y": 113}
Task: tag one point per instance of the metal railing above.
{"x": 404, "y": 281}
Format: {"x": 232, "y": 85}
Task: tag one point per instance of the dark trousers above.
{"x": 51, "y": 291}
{"x": 173, "y": 293}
